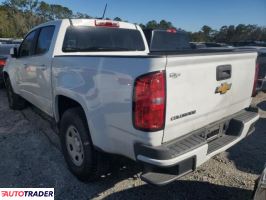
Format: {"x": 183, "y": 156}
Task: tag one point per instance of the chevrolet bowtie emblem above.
{"x": 223, "y": 88}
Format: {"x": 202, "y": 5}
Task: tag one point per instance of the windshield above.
{"x": 88, "y": 39}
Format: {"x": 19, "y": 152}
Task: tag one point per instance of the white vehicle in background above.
{"x": 148, "y": 97}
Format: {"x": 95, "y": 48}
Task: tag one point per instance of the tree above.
{"x": 117, "y": 19}
{"x": 207, "y": 33}
{"x": 165, "y": 25}
{"x": 22, "y": 5}
{"x": 142, "y": 26}
{"x": 152, "y": 24}
{"x": 6, "y": 28}
{"x": 79, "y": 15}
{"x": 59, "y": 12}
{"x": 43, "y": 11}
{"x": 21, "y": 15}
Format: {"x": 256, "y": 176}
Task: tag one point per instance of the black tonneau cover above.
{"x": 200, "y": 52}
{"x": 177, "y": 42}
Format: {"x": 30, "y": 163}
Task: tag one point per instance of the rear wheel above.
{"x": 15, "y": 102}
{"x": 2, "y": 85}
{"x": 81, "y": 157}
{"x": 255, "y": 187}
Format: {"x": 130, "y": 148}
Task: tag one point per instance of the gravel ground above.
{"x": 31, "y": 157}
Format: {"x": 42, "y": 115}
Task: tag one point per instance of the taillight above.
{"x": 106, "y": 23}
{"x": 2, "y": 63}
{"x": 149, "y": 101}
{"x": 254, "y": 92}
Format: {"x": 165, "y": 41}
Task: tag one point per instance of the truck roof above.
{"x": 93, "y": 22}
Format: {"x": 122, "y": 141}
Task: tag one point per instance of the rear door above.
{"x": 205, "y": 88}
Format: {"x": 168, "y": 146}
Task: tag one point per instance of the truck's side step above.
{"x": 157, "y": 178}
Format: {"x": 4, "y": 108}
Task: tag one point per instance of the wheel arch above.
{"x": 63, "y": 103}
{"x": 5, "y": 76}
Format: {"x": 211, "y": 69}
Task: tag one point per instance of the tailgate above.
{"x": 195, "y": 98}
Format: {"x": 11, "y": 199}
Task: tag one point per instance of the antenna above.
{"x": 70, "y": 21}
{"x": 104, "y": 11}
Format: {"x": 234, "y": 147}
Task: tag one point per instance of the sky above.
{"x": 189, "y": 15}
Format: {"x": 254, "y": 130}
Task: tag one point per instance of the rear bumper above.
{"x": 185, "y": 154}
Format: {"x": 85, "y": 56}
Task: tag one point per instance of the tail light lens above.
{"x": 254, "y": 92}
{"x": 149, "y": 102}
{"x": 2, "y": 63}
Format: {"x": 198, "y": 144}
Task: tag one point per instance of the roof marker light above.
{"x": 171, "y": 30}
{"x": 106, "y": 23}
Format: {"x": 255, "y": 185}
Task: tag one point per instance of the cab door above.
{"x": 38, "y": 70}
{"x": 26, "y": 51}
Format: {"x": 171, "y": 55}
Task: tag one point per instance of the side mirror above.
{"x": 14, "y": 52}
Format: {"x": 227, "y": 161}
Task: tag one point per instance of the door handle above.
{"x": 223, "y": 72}
{"x": 41, "y": 67}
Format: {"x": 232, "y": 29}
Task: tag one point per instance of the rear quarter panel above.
{"x": 104, "y": 88}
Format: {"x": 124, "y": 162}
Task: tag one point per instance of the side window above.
{"x": 44, "y": 40}
{"x": 27, "y": 46}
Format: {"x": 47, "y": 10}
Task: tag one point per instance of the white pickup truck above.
{"x": 113, "y": 88}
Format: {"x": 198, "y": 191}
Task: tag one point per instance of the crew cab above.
{"x": 148, "y": 97}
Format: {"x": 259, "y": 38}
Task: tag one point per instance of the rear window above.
{"x": 162, "y": 40}
{"x": 88, "y": 39}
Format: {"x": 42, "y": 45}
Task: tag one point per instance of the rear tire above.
{"x": 81, "y": 157}
{"x": 15, "y": 102}
{"x": 255, "y": 187}
{"x": 2, "y": 85}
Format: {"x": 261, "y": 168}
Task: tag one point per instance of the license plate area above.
{"x": 213, "y": 132}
